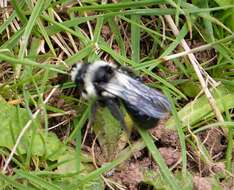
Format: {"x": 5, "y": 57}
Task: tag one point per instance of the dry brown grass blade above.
{"x": 197, "y": 68}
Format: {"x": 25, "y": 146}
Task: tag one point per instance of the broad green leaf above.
{"x": 197, "y": 110}
{"x": 13, "y": 119}
{"x": 108, "y": 130}
{"x": 190, "y": 88}
{"x": 68, "y": 167}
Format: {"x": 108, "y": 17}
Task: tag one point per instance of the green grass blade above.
{"x": 46, "y": 36}
{"x": 18, "y": 9}
{"x": 135, "y": 39}
{"x": 7, "y": 22}
{"x": 148, "y": 30}
{"x": 117, "y": 34}
{"x": 78, "y": 144}
{"x": 40, "y": 182}
{"x": 114, "y": 6}
{"x": 25, "y": 38}
{"x": 12, "y": 182}
{"x": 80, "y": 55}
{"x": 169, "y": 178}
{"x": 11, "y": 43}
{"x": 65, "y": 28}
{"x": 80, "y": 124}
{"x": 124, "y": 155}
{"x": 13, "y": 60}
{"x": 181, "y": 134}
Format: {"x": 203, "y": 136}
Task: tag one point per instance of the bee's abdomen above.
{"x": 142, "y": 119}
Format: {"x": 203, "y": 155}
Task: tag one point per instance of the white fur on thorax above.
{"x": 75, "y": 71}
{"x": 89, "y": 87}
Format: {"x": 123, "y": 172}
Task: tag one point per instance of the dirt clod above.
{"x": 213, "y": 140}
{"x": 165, "y": 136}
{"x": 130, "y": 175}
{"x": 170, "y": 155}
{"x": 202, "y": 183}
{"x": 218, "y": 167}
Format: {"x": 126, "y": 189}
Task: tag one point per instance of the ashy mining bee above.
{"x": 112, "y": 86}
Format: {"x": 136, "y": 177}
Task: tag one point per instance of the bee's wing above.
{"x": 137, "y": 95}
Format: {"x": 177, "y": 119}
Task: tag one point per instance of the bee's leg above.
{"x": 131, "y": 73}
{"x": 128, "y": 71}
{"x": 93, "y": 112}
{"x": 114, "y": 108}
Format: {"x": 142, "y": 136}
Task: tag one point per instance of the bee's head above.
{"x": 90, "y": 76}
{"x": 78, "y": 73}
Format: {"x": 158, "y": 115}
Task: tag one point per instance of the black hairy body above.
{"x": 111, "y": 86}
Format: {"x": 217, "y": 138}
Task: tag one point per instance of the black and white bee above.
{"x": 112, "y": 86}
